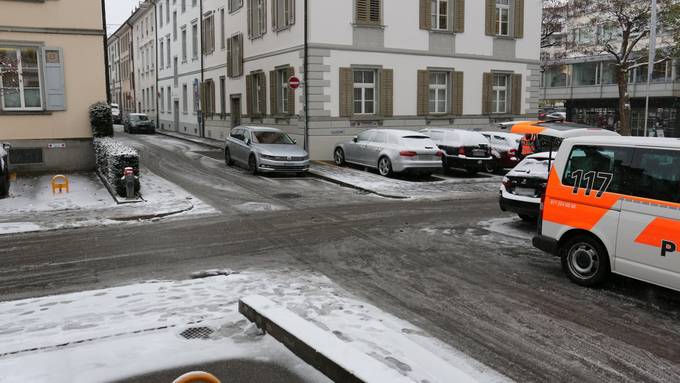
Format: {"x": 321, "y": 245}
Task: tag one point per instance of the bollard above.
{"x": 129, "y": 178}
{"x": 59, "y": 182}
{"x": 197, "y": 376}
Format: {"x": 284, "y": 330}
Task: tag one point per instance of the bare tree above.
{"x": 552, "y": 22}
{"x": 621, "y": 30}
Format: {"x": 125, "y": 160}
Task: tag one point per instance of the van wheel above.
{"x": 384, "y": 166}
{"x": 585, "y": 260}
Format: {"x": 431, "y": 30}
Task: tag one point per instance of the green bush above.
{"x": 101, "y": 120}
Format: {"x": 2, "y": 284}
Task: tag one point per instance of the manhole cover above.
{"x": 287, "y": 196}
{"x": 197, "y": 333}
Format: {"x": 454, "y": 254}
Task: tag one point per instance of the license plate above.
{"x": 478, "y": 153}
{"x": 526, "y": 192}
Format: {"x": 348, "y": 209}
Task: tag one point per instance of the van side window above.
{"x": 657, "y": 174}
{"x": 601, "y": 168}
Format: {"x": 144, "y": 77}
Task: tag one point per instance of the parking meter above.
{"x": 129, "y": 178}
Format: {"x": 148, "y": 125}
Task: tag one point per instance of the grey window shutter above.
{"x": 386, "y": 92}
{"x": 291, "y": 92}
{"x": 249, "y": 94}
{"x": 457, "y": 93}
{"x": 264, "y": 18}
{"x": 459, "y": 16}
{"x": 519, "y": 18}
{"x": 426, "y": 14}
{"x": 423, "y": 92}
{"x": 230, "y": 58}
{"x": 240, "y": 54}
{"x": 487, "y": 82}
{"x": 346, "y": 92}
{"x": 291, "y": 10}
{"x": 263, "y": 93}
{"x": 249, "y": 15}
{"x": 273, "y": 94}
{"x": 275, "y": 11}
{"x": 516, "y": 90}
{"x": 53, "y": 74}
{"x": 490, "y": 17}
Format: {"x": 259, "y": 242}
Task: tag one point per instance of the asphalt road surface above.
{"x": 460, "y": 269}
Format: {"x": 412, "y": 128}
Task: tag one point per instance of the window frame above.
{"x": 20, "y": 87}
{"x": 238, "y": 3}
{"x": 258, "y": 12}
{"x": 502, "y": 6}
{"x": 363, "y": 101}
{"x": 496, "y": 91}
{"x": 446, "y": 87}
{"x": 436, "y": 15}
{"x": 282, "y": 90}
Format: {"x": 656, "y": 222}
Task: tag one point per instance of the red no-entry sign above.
{"x": 294, "y": 82}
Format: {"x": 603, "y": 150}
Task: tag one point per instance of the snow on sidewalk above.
{"x": 125, "y": 331}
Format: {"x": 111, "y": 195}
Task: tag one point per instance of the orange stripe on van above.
{"x": 659, "y": 230}
{"x": 527, "y": 129}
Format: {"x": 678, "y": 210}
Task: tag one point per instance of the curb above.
{"x": 180, "y": 136}
{"x": 322, "y": 176}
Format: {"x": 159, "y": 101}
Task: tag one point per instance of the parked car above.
{"x": 463, "y": 149}
{"x": 115, "y": 113}
{"x": 523, "y": 186}
{"x": 504, "y": 150}
{"x": 391, "y": 151}
{"x": 266, "y": 150}
{"x": 4, "y": 170}
{"x": 138, "y": 123}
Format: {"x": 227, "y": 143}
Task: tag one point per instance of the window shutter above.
{"x": 426, "y": 14}
{"x": 263, "y": 94}
{"x": 487, "y": 83}
{"x": 423, "y": 92}
{"x": 519, "y": 18}
{"x": 263, "y": 27}
{"x": 346, "y": 92}
{"x": 250, "y": 19}
{"x": 291, "y": 92}
{"x": 273, "y": 94}
{"x": 291, "y": 10}
{"x": 457, "y": 93}
{"x": 240, "y": 55}
{"x": 249, "y": 94}
{"x": 275, "y": 10}
{"x": 53, "y": 74}
{"x": 459, "y": 16}
{"x": 516, "y": 94}
{"x": 361, "y": 8}
{"x": 386, "y": 92}
{"x": 490, "y": 17}
{"x": 230, "y": 58}
{"x": 375, "y": 13}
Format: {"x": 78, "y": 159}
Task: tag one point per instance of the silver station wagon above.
{"x": 391, "y": 151}
{"x": 265, "y": 150}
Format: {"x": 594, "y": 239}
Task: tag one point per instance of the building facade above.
{"x": 143, "y": 26}
{"x": 123, "y": 84}
{"x": 44, "y": 101}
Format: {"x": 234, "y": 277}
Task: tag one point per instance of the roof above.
{"x": 403, "y": 132}
{"x": 671, "y": 143}
{"x": 137, "y": 114}
{"x": 560, "y": 129}
{"x": 261, "y": 128}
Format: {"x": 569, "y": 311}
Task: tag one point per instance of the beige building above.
{"x": 58, "y": 49}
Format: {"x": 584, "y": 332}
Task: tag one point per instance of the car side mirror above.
{"x": 355, "y": 139}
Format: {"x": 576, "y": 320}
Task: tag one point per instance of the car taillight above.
{"x": 507, "y": 182}
{"x": 461, "y": 151}
{"x": 439, "y": 153}
{"x": 408, "y": 153}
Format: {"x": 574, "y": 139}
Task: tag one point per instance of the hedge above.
{"x": 101, "y": 120}
{"x": 112, "y": 159}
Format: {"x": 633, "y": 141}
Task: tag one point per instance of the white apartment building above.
{"x": 121, "y": 68}
{"x": 143, "y": 24}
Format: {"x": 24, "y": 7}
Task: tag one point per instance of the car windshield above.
{"x": 272, "y": 138}
{"x": 138, "y": 117}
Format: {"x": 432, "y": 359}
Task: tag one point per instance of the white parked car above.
{"x": 523, "y": 186}
{"x": 463, "y": 149}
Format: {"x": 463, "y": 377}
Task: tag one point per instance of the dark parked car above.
{"x": 4, "y": 170}
{"x": 138, "y": 122}
{"x": 504, "y": 150}
{"x": 463, "y": 149}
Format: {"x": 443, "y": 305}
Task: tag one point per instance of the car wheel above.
{"x": 527, "y": 218}
{"x": 227, "y": 157}
{"x": 4, "y": 186}
{"x": 585, "y": 260}
{"x": 252, "y": 165}
{"x": 339, "y": 156}
{"x": 384, "y": 166}
{"x": 491, "y": 166}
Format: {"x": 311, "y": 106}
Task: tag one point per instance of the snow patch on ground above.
{"x": 18, "y": 227}
{"x": 510, "y": 227}
{"x": 116, "y": 332}
{"x": 258, "y": 207}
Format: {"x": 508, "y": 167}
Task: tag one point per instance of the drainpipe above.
{"x": 201, "y": 127}
{"x": 306, "y": 87}
{"x": 106, "y": 54}
{"x": 155, "y": 64}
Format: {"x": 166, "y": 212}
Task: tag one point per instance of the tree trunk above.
{"x": 624, "y": 103}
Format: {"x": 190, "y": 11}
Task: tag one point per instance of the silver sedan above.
{"x": 265, "y": 150}
{"x": 391, "y": 151}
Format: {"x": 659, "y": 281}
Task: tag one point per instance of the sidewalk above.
{"x": 198, "y": 140}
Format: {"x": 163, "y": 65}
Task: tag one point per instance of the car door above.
{"x": 236, "y": 145}
{"x": 648, "y": 243}
{"x": 356, "y": 149}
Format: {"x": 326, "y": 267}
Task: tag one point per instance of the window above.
{"x": 168, "y": 51}
{"x": 257, "y": 18}
{"x": 608, "y": 73}
{"x": 440, "y": 14}
{"x": 557, "y": 76}
{"x": 585, "y": 73}
{"x": 185, "y": 98}
{"x": 195, "y": 98}
{"x": 184, "y": 6}
{"x": 234, "y": 5}
{"x": 20, "y": 83}
{"x": 222, "y": 29}
{"x": 160, "y": 12}
{"x": 283, "y": 12}
{"x": 439, "y": 91}
{"x": 503, "y": 17}
{"x": 162, "y": 100}
{"x": 208, "y": 42}
{"x": 174, "y": 25}
{"x": 364, "y": 91}
{"x": 656, "y": 174}
{"x": 169, "y": 94}
{"x": 258, "y": 93}
{"x": 209, "y": 98}
{"x": 499, "y": 100}
{"x": 193, "y": 3}
{"x": 175, "y": 72}
{"x": 167, "y": 11}
{"x": 598, "y": 168}
{"x": 223, "y": 96}
{"x": 368, "y": 12}
{"x": 184, "y": 44}
{"x": 194, "y": 41}
{"x": 235, "y": 56}
{"x": 282, "y": 91}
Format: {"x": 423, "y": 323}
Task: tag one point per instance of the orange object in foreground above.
{"x": 197, "y": 376}
{"x": 59, "y": 182}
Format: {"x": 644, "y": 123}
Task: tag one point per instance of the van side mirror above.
{"x": 355, "y": 139}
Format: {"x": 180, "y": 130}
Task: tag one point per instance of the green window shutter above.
{"x": 53, "y": 75}
{"x": 273, "y": 94}
{"x": 263, "y": 94}
{"x": 487, "y": 83}
{"x": 459, "y": 16}
{"x": 516, "y": 90}
{"x": 519, "y": 18}
{"x": 457, "y": 93}
{"x": 346, "y": 92}
{"x": 386, "y": 92}
{"x": 249, "y": 95}
{"x": 291, "y": 92}
{"x": 490, "y": 17}
{"x": 423, "y": 93}
{"x": 426, "y": 14}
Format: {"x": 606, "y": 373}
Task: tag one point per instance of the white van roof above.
{"x": 671, "y": 143}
